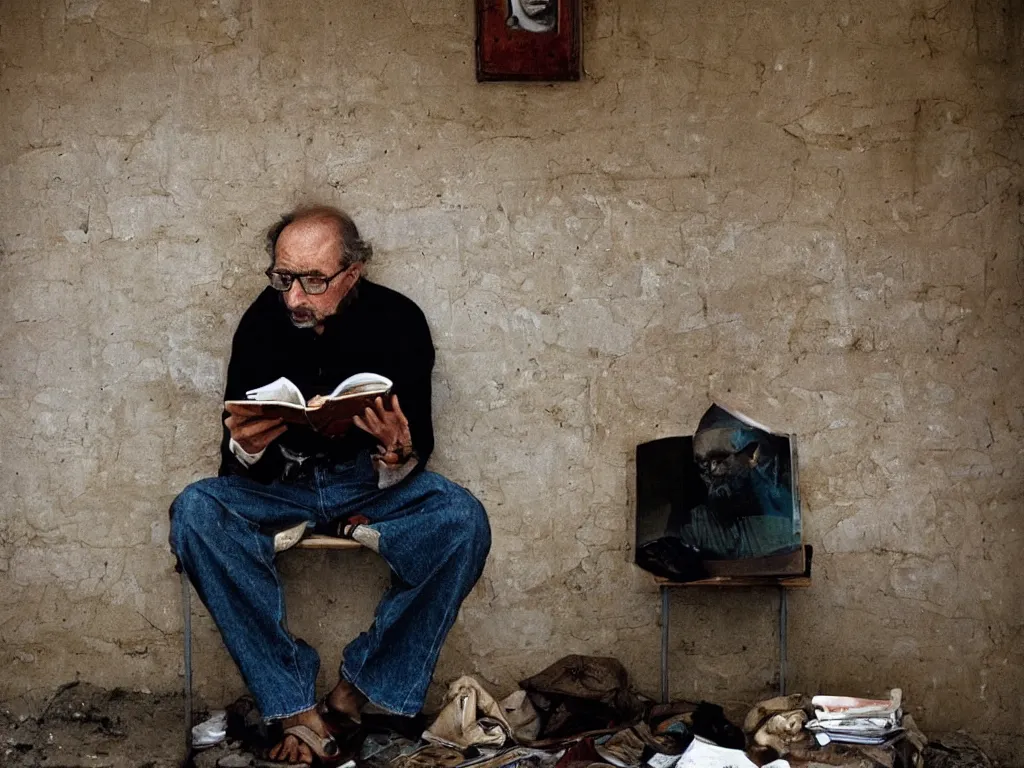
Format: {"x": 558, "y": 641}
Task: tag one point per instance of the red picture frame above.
{"x": 528, "y": 40}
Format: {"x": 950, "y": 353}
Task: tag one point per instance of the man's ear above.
{"x": 354, "y": 273}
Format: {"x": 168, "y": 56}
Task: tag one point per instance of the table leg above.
{"x": 783, "y": 629}
{"x": 186, "y": 606}
{"x": 664, "y": 643}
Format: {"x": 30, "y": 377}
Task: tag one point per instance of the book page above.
{"x": 281, "y": 390}
{"x": 362, "y": 383}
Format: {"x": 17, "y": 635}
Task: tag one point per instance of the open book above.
{"x": 330, "y": 415}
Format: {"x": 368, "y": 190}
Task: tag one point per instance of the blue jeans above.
{"x": 432, "y": 533}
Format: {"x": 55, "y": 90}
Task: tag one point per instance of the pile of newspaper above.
{"x": 849, "y": 720}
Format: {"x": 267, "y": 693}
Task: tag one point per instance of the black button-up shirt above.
{"x": 377, "y": 330}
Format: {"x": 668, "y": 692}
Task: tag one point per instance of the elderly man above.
{"x": 317, "y": 323}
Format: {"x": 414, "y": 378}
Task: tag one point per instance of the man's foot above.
{"x": 346, "y": 700}
{"x": 293, "y": 750}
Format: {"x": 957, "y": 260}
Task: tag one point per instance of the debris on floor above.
{"x": 578, "y": 713}
{"x": 581, "y": 712}
{"x": 212, "y": 731}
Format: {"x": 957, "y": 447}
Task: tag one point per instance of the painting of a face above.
{"x": 535, "y": 40}
{"x": 533, "y": 15}
{"x": 730, "y": 492}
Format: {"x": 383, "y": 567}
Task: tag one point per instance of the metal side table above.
{"x": 782, "y": 583}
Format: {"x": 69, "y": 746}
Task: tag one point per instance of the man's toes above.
{"x": 291, "y": 750}
{"x": 275, "y": 751}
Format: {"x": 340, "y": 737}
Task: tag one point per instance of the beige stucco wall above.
{"x": 811, "y": 210}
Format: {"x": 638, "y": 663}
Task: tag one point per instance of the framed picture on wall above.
{"x": 528, "y": 39}
{"x": 722, "y": 502}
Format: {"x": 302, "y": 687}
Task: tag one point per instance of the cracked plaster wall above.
{"x": 812, "y": 210}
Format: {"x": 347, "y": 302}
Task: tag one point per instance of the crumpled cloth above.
{"x": 521, "y": 716}
{"x": 763, "y": 710}
{"x": 627, "y": 747}
{"x": 597, "y": 678}
{"x": 580, "y": 755}
{"x": 470, "y": 717}
{"x": 430, "y": 756}
{"x": 780, "y": 731}
{"x": 582, "y": 693}
{"x": 778, "y": 723}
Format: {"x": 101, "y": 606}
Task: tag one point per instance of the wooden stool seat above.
{"x": 317, "y": 541}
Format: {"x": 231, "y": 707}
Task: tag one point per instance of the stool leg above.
{"x": 664, "y": 644}
{"x": 186, "y": 606}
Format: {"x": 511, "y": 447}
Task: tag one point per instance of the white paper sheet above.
{"x": 704, "y": 754}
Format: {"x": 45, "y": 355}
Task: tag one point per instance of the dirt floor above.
{"x": 81, "y": 725}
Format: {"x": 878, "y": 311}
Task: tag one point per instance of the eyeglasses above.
{"x": 311, "y": 284}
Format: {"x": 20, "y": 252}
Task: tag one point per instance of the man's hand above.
{"x": 391, "y": 429}
{"x": 252, "y": 433}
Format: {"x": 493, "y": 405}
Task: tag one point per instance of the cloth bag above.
{"x": 470, "y": 717}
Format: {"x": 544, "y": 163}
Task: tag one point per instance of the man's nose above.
{"x": 294, "y": 294}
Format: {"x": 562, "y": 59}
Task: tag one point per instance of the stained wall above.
{"x": 809, "y": 210}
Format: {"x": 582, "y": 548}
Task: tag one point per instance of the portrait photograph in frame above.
{"x": 722, "y": 502}
{"x": 528, "y": 40}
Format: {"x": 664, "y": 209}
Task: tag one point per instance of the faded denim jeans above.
{"x": 432, "y": 533}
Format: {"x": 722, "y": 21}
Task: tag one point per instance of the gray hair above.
{"x": 354, "y": 248}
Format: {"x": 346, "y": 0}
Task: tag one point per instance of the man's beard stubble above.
{"x": 303, "y": 318}
{"x": 307, "y": 317}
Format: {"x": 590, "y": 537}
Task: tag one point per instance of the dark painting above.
{"x": 727, "y": 494}
{"x": 528, "y": 40}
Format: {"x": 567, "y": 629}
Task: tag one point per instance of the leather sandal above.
{"x": 326, "y": 751}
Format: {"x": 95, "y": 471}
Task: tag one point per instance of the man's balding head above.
{"x": 313, "y": 221}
